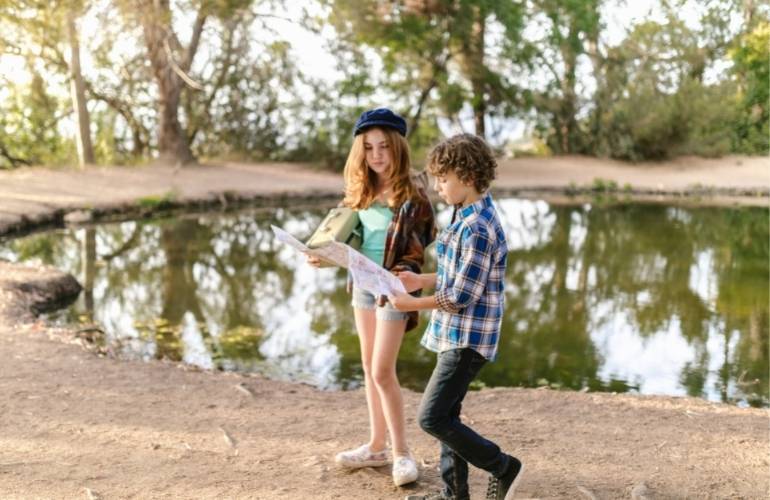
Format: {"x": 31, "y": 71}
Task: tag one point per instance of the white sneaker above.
{"x": 362, "y": 457}
{"x": 404, "y": 470}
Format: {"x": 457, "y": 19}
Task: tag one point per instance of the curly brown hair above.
{"x": 468, "y": 156}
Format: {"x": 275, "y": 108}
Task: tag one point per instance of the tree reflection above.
{"x": 594, "y": 294}
{"x": 640, "y": 261}
{"x": 544, "y": 336}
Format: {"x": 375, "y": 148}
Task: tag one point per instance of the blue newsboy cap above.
{"x": 382, "y": 117}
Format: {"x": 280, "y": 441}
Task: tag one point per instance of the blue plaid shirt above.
{"x": 471, "y": 255}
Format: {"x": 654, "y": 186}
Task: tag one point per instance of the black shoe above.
{"x": 502, "y": 488}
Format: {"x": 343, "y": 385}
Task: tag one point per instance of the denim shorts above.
{"x": 365, "y": 300}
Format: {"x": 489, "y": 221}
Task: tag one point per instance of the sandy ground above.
{"x": 74, "y": 424}
{"x": 33, "y": 196}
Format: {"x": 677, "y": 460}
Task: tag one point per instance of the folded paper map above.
{"x": 366, "y": 274}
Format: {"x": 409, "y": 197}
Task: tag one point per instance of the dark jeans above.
{"x": 440, "y": 417}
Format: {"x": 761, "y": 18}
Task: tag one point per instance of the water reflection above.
{"x": 650, "y": 298}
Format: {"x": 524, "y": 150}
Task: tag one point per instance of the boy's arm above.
{"x": 413, "y": 281}
{"x": 406, "y": 302}
{"x": 470, "y": 281}
{"x": 428, "y": 280}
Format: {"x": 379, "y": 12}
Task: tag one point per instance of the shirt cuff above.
{"x": 444, "y": 302}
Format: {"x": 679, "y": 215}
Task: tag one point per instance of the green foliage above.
{"x": 225, "y": 9}
{"x": 534, "y": 147}
{"x": 573, "y": 31}
{"x": 29, "y": 133}
{"x": 602, "y": 185}
{"x": 655, "y": 104}
{"x": 752, "y": 67}
{"x": 244, "y": 116}
{"x": 112, "y": 139}
{"x": 325, "y": 138}
{"x": 157, "y": 202}
{"x": 665, "y": 90}
{"x": 105, "y": 141}
{"x": 651, "y": 125}
{"x": 433, "y": 53}
{"x": 423, "y": 140}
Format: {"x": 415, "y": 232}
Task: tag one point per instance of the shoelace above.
{"x": 492, "y": 487}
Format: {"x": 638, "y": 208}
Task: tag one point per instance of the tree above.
{"x": 571, "y": 30}
{"x": 79, "y": 104}
{"x": 752, "y": 68}
{"x": 163, "y": 50}
{"x": 248, "y": 94}
{"x": 172, "y": 65}
{"x": 28, "y": 126}
{"x": 36, "y": 33}
{"x": 436, "y": 48}
{"x": 656, "y": 94}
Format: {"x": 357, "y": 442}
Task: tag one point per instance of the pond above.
{"x": 618, "y": 297}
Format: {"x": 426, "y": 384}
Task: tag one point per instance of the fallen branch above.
{"x": 587, "y": 493}
{"x": 92, "y": 495}
{"x": 244, "y": 389}
{"x": 228, "y": 438}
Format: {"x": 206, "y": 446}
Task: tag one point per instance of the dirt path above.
{"x": 76, "y": 425}
{"x": 31, "y": 196}
{"x": 720, "y": 176}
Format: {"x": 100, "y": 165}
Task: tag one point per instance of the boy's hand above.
{"x": 401, "y": 301}
{"x": 313, "y": 260}
{"x": 410, "y": 280}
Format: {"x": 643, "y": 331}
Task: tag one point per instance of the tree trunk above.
{"x": 415, "y": 121}
{"x": 479, "y": 77}
{"x": 479, "y": 110}
{"x": 568, "y": 107}
{"x": 84, "y": 146}
{"x": 156, "y": 25}
{"x": 597, "y": 125}
{"x": 475, "y": 70}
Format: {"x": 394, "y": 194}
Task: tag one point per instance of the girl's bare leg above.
{"x": 387, "y": 342}
{"x": 366, "y": 324}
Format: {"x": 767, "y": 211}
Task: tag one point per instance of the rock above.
{"x": 32, "y": 290}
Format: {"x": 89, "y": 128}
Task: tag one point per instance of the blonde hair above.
{"x": 361, "y": 181}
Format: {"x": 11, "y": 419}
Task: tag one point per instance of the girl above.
{"x": 398, "y": 224}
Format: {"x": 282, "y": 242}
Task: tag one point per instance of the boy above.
{"x": 467, "y": 311}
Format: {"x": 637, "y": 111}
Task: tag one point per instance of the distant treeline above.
{"x": 195, "y": 79}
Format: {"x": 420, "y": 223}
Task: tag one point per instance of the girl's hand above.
{"x": 401, "y": 301}
{"x": 313, "y": 260}
{"x": 410, "y": 280}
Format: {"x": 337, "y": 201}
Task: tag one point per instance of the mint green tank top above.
{"x": 375, "y": 221}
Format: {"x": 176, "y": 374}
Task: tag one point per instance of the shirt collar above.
{"x": 476, "y": 207}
